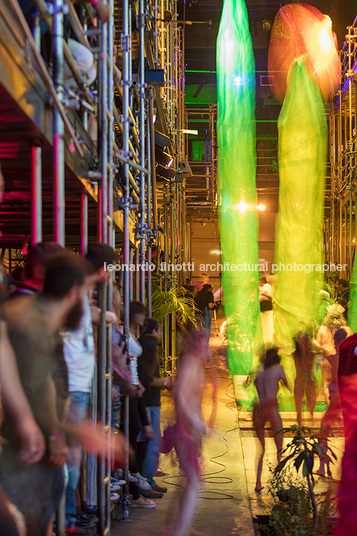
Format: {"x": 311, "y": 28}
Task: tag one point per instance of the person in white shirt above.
{"x": 79, "y": 352}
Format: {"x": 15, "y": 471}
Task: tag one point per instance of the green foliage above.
{"x": 174, "y": 300}
{"x": 292, "y": 513}
{"x": 302, "y": 449}
{"x": 297, "y": 510}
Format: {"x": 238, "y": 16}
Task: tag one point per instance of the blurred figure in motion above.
{"x": 204, "y": 302}
{"x": 325, "y": 342}
{"x": 30, "y": 440}
{"x": 347, "y": 383}
{"x": 304, "y": 382}
{"x": 333, "y": 413}
{"x": 267, "y": 384}
{"x": 32, "y": 323}
{"x": 266, "y": 310}
{"x": 189, "y": 427}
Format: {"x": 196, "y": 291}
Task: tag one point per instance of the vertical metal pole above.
{"x": 103, "y": 135}
{"x": 131, "y": 275}
{"x": 166, "y": 257}
{"x": 173, "y": 276}
{"x": 137, "y": 275}
{"x": 152, "y": 157}
{"x": 58, "y": 165}
{"x": 141, "y": 23}
{"x": 110, "y": 124}
{"x": 126, "y": 47}
{"x": 84, "y": 223}
{"x": 36, "y": 194}
{"x": 58, "y": 128}
{"x": 149, "y": 281}
{"x": 101, "y": 351}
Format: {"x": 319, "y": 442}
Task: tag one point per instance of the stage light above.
{"x": 242, "y": 207}
{"x": 261, "y": 207}
{"x": 215, "y": 252}
{"x": 170, "y": 162}
{"x": 238, "y": 80}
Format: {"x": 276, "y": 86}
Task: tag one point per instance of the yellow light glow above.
{"x": 215, "y": 252}
{"x": 261, "y": 207}
{"x": 242, "y": 207}
{"x": 324, "y": 37}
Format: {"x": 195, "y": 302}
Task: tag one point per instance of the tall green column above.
{"x": 237, "y": 187}
{"x": 302, "y": 168}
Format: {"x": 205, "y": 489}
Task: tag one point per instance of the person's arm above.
{"x": 32, "y": 443}
{"x": 53, "y": 429}
{"x": 162, "y": 382}
{"x": 211, "y": 304}
{"x": 102, "y": 10}
{"x": 284, "y": 380}
{"x": 95, "y": 312}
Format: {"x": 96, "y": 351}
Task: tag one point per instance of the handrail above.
{"x": 44, "y": 72}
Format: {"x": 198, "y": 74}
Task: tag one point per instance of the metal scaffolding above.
{"x": 340, "y": 223}
{"x": 99, "y": 141}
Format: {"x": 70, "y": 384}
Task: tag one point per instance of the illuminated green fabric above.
{"x": 238, "y": 230}
{"x": 302, "y": 160}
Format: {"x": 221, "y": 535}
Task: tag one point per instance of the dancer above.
{"x": 267, "y": 384}
{"x": 325, "y": 342}
{"x": 333, "y": 413}
{"x": 190, "y": 428}
{"x": 304, "y": 382}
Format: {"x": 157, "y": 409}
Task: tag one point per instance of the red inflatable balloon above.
{"x": 301, "y": 29}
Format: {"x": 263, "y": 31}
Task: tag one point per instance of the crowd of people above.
{"x": 48, "y": 364}
{"x": 316, "y": 354}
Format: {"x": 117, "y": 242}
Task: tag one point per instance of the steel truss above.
{"x": 115, "y": 168}
{"x": 340, "y": 223}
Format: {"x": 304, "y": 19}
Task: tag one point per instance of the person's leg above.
{"x": 78, "y": 409}
{"x": 311, "y": 395}
{"x": 259, "y": 420}
{"x": 298, "y": 396}
{"x": 151, "y": 462}
{"x": 141, "y": 450}
{"x": 276, "y": 426}
{"x": 187, "y": 506}
{"x": 134, "y": 429}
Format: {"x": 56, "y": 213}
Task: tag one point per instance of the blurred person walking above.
{"x": 267, "y": 383}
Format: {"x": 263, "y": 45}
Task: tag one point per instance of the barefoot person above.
{"x": 304, "y": 382}
{"x": 189, "y": 427}
{"x": 267, "y": 384}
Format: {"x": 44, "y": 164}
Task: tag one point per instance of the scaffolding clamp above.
{"x": 127, "y": 202}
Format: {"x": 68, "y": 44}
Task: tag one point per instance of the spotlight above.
{"x": 215, "y": 252}
{"x": 242, "y": 207}
{"x": 161, "y": 140}
{"x": 167, "y": 174}
{"x": 163, "y": 158}
{"x": 185, "y": 168}
{"x": 261, "y": 207}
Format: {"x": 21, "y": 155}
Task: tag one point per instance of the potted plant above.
{"x": 298, "y": 510}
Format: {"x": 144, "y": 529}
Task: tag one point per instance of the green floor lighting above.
{"x": 237, "y": 186}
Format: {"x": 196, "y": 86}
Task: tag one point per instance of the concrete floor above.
{"x": 227, "y": 501}
{"x": 223, "y": 507}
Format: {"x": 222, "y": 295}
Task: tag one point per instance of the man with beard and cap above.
{"x": 79, "y": 353}
{"x": 33, "y": 322}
